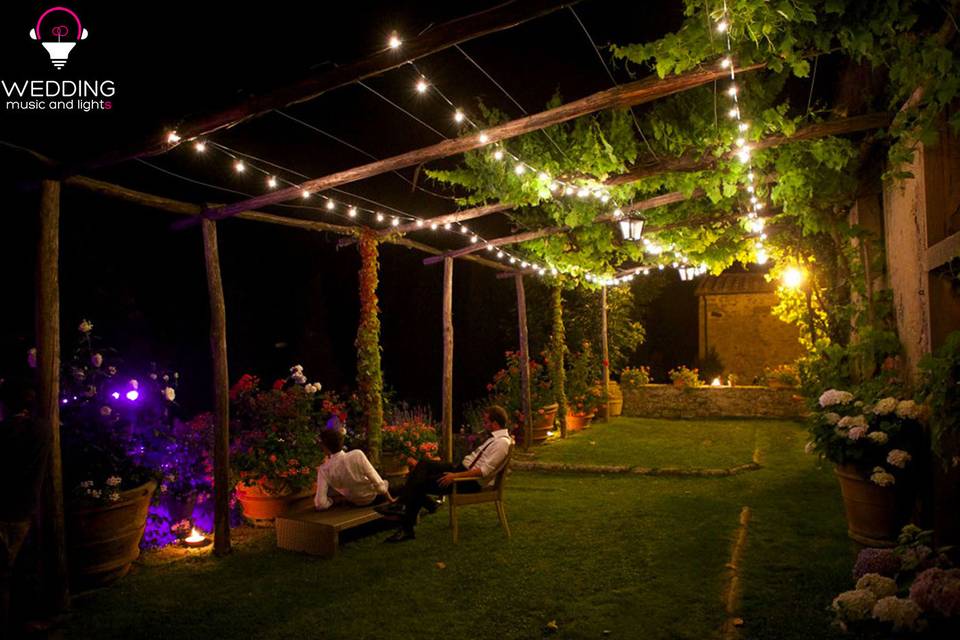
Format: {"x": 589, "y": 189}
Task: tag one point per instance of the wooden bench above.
{"x": 318, "y": 532}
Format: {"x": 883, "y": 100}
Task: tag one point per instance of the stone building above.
{"x": 735, "y": 322}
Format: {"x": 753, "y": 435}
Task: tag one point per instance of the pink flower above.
{"x": 856, "y": 432}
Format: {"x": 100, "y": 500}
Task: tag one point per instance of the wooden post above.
{"x": 369, "y": 371}
{"x": 606, "y": 351}
{"x": 558, "y": 374}
{"x": 53, "y": 529}
{"x": 221, "y": 392}
{"x": 448, "y": 359}
{"x": 524, "y": 363}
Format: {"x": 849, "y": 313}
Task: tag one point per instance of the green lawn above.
{"x": 643, "y": 442}
{"x": 635, "y": 556}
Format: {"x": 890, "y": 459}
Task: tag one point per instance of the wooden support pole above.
{"x": 369, "y": 371}
{"x": 524, "y": 364}
{"x": 53, "y": 529}
{"x": 606, "y": 351}
{"x": 448, "y": 359}
{"x": 558, "y": 340}
{"x": 221, "y": 391}
{"x": 625, "y": 95}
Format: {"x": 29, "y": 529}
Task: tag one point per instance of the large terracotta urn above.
{"x": 875, "y": 514}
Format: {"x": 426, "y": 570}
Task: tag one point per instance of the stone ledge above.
{"x": 666, "y": 401}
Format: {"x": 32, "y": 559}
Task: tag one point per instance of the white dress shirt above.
{"x": 350, "y": 474}
{"x": 489, "y": 456}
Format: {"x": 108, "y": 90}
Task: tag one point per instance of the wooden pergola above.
{"x": 207, "y": 215}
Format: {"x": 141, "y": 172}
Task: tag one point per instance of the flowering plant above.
{"x": 910, "y": 588}
{"x": 633, "y": 378}
{"x": 683, "y": 377}
{"x": 880, "y": 437}
{"x": 505, "y": 388}
{"x": 585, "y": 393}
{"x": 784, "y": 374}
{"x": 412, "y": 434}
{"x": 274, "y": 432}
{"x": 110, "y": 421}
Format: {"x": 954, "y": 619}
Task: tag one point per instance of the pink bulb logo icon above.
{"x": 58, "y": 39}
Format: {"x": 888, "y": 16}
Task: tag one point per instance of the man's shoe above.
{"x": 432, "y": 504}
{"x": 391, "y": 509}
{"x": 401, "y": 536}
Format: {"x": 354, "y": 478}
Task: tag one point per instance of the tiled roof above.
{"x": 734, "y": 283}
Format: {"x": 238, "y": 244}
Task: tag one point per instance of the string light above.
{"x": 331, "y": 205}
{"x": 200, "y": 147}
{"x": 498, "y": 155}
{"x": 239, "y": 166}
{"x": 173, "y": 138}
{"x": 519, "y": 169}
{"x": 458, "y": 116}
{"x": 484, "y": 138}
{"x": 272, "y": 182}
{"x": 722, "y": 26}
{"x": 379, "y": 217}
{"x": 422, "y": 85}
{"x": 396, "y": 221}
{"x": 352, "y": 212}
{"x": 394, "y": 42}
{"x": 306, "y": 194}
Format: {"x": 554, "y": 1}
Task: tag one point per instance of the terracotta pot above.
{"x": 576, "y": 423}
{"x": 875, "y": 514}
{"x": 104, "y": 539}
{"x": 264, "y": 501}
{"x": 542, "y": 424}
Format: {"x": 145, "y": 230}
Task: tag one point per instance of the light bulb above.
{"x": 458, "y": 116}
{"x": 239, "y": 166}
{"x": 474, "y": 239}
{"x": 200, "y": 147}
{"x": 519, "y": 169}
{"x": 484, "y": 138}
{"x": 352, "y": 212}
{"x": 743, "y": 126}
{"x": 395, "y": 222}
{"x": 498, "y": 155}
{"x": 499, "y": 254}
{"x": 271, "y": 182}
{"x": 725, "y": 63}
{"x": 419, "y": 223}
{"x": 58, "y": 50}
{"x": 433, "y": 227}
{"x": 306, "y": 194}
{"x": 744, "y": 154}
{"x": 421, "y": 85}
{"x": 331, "y": 204}
{"x": 741, "y": 142}
{"x": 394, "y": 42}
{"x": 722, "y": 26}
{"x": 583, "y": 193}
{"x": 734, "y": 113}
{"x": 379, "y": 217}
{"x": 446, "y": 227}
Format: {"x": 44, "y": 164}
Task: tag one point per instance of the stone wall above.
{"x": 666, "y": 401}
{"x": 746, "y": 336}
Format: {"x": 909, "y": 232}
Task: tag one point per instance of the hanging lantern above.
{"x": 631, "y": 228}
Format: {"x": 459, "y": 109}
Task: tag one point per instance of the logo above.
{"x": 58, "y": 39}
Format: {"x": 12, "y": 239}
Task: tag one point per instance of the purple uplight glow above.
{"x": 132, "y": 395}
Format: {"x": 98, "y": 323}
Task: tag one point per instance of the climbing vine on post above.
{"x": 558, "y": 347}
{"x": 369, "y": 373}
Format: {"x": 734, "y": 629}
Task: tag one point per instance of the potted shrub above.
{"x": 633, "y": 378}
{"x": 784, "y": 376}
{"x": 584, "y": 393}
{"x": 107, "y": 486}
{"x": 873, "y": 446}
{"x": 684, "y": 378}
{"x": 274, "y": 443}
{"x": 408, "y": 437}
{"x": 505, "y": 391}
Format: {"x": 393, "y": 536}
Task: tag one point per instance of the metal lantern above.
{"x": 631, "y": 228}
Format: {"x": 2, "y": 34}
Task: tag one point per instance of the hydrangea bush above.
{"x": 881, "y": 436}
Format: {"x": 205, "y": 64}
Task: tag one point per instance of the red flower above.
{"x": 278, "y": 384}
{"x": 273, "y": 458}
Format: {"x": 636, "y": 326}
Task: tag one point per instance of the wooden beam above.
{"x": 706, "y": 161}
{"x": 625, "y": 95}
{"x": 448, "y": 359}
{"x": 498, "y": 242}
{"x": 943, "y": 252}
{"x": 606, "y": 351}
{"x": 221, "y": 391}
{"x": 524, "y": 363}
{"x": 451, "y": 218}
{"x": 498, "y": 18}
{"x": 53, "y": 529}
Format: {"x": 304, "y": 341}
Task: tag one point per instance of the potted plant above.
{"x": 505, "y": 391}
{"x": 107, "y": 485}
{"x": 873, "y": 446}
{"x": 274, "y": 443}
{"x": 913, "y": 588}
{"x": 784, "y": 376}
{"x": 584, "y": 393}
{"x": 684, "y": 378}
{"x": 408, "y": 437}
{"x": 633, "y": 378}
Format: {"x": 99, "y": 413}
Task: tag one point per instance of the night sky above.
{"x": 291, "y": 295}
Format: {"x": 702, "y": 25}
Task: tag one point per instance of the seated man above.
{"x": 348, "y": 475}
{"x": 431, "y": 477}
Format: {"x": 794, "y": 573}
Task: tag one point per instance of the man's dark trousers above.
{"x": 423, "y": 481}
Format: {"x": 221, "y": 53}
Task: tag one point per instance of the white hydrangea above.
{"x": 898, "y": 458}
{"x": 853, "y": 606}
{"x": 113, "y": 481}
{"x": 831, "y": 418}
{"x": 882, "y": 478}
{"x": 903, "y": 613}
{"x": 170, "y": 394}
{"x": 832, "y": 397}
{"x": 134, "y": 384}
{"x": 908, "y": 410}
{"x": 886, "y": 406}
{"x": 810, "y": 447}
{"x": 313, "y": 388}
{"x": 857, "y": 432}
{"x": 878, "y": 585}
{"x": 878, "y": 437}
{"x": 85, "y": 326}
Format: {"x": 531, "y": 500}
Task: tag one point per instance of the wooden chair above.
{"x": 493, "y": 494}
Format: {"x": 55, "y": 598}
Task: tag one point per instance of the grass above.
{"x": 638, "y": 557}
{"x": 643, "y": 442}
